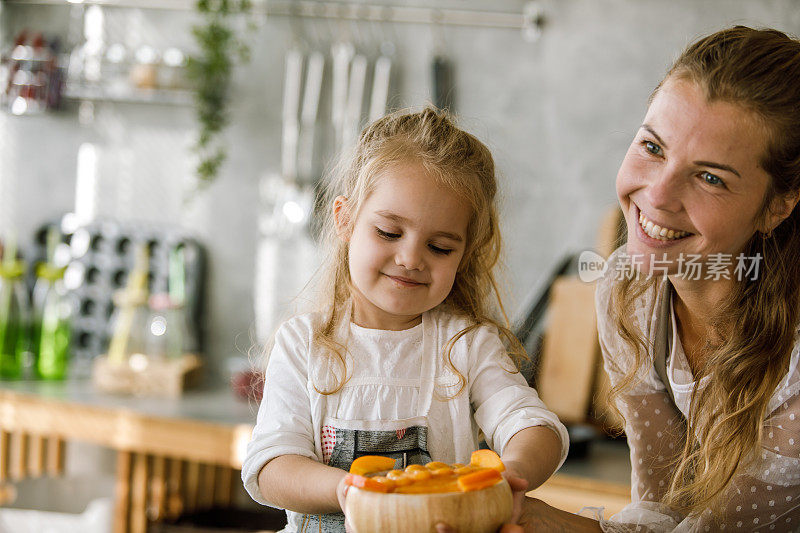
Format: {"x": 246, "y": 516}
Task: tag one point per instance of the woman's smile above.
{"x": 660, "y": 231}
{"x": 656, "y": 235}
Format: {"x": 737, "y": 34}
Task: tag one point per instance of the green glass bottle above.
{"x": 14, "y": 319}
{"x": 52, "y": 323}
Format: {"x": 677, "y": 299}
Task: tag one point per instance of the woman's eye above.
{"x": 652, "y": 147}
{"x": 438, "y": 250}
{"x": 711, "y": 179}
{"x": 387, "y": 235}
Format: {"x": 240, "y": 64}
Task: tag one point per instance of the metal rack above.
{"x": 132, "y": 96}
{"x": 529, "y": 20}
{"x": 402, "y": 14}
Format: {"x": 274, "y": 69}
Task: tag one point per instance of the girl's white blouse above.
{"x": 392, "y": 380}
{"x": 384, "y": 383}
{"x": 763, "y": 497}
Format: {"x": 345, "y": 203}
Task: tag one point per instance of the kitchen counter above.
{"x": 218, "y": 406}
{"x": 173, "y": 454}
{"x": 183, "y": 454}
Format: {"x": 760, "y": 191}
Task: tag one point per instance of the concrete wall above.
{"x": 558, "y": 114}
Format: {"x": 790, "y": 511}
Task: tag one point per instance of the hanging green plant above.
{"x": 211, "y": 71}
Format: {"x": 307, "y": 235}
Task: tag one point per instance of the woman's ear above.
{"x": 780, "y": 209}
{"x": 341, "y": 217}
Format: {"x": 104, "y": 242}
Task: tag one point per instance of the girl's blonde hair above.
{"x": 456, "y": 160}
{"x": 760, "y": 71}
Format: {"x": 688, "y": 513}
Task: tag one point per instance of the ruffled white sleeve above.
{"x": 284, "y": 423}
{"x": 502, "y": 401}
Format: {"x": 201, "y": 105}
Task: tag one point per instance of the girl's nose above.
{"x": 664, "y": 190}
{"x": 409, "y": 256}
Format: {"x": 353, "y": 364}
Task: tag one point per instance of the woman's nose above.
{"x": 409, "y": 256}
{"x": 664, "y": 190}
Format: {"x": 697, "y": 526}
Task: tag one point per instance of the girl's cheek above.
{"x": 455, "y": 265}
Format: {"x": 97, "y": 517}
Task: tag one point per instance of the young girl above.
{"x": 403, "y": 359}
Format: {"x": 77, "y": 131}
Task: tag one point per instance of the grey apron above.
{"x": 404, "y": 440}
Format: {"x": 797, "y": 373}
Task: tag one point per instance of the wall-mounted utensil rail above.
{"x": 344, "y": 11}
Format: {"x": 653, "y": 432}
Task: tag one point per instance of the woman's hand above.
{"x": 533, "y": 518}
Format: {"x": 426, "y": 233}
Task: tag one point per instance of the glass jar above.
{"x": 14, "y": 320}
{"x": 129, "y": 324}
{"x": 168, "y": 336}
{"x": 52, "y": 323}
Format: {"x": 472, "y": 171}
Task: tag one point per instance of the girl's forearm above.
{"x": 533, "y": 453}
{"x": 300, "y": 484}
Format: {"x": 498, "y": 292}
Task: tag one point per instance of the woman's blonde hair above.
{"x": 760, "y": 71}
{"x": 456, "y": 160}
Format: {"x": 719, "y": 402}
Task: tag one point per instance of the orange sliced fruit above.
{"x": 371, "y": 463}
{"x": 396, "y": 474}
{"x": 479, "y": 479}
{"x": 486, "y": 459}
{"x": 369, "y": 483}
{"x": 420, "y": 475}
{"x": 445, "y": 486}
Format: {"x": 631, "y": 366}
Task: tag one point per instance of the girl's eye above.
{"x": 437, "y": 250}
{"x": 652, "y": 147}
{"x": 711, "y": 179}
{"x": 387, "y": 235}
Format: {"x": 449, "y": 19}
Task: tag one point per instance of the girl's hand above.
{"x": 341, "y": 495}
{"x": 518, "y": 487}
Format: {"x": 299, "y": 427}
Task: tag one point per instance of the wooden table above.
{"x": 173, "y": 455}
{"x": 600, "y": 479}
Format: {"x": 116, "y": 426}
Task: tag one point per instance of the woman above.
{"x": 709, "y": 283}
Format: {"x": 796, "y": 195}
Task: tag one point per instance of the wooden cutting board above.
{"x": 570, "y": 351}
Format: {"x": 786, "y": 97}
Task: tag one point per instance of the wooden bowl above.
{"x": 478, "y": 511}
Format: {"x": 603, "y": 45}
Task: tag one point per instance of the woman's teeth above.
{"x": 657, "y": 232}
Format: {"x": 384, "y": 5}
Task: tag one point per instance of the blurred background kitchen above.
{"x": 158, "y": 163}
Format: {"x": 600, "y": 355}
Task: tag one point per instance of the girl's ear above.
{"x": 341, "y": 217}
{"x": 780, "y": 209}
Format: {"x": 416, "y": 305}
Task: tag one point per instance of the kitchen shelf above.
{"x": 129, "y": 96}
